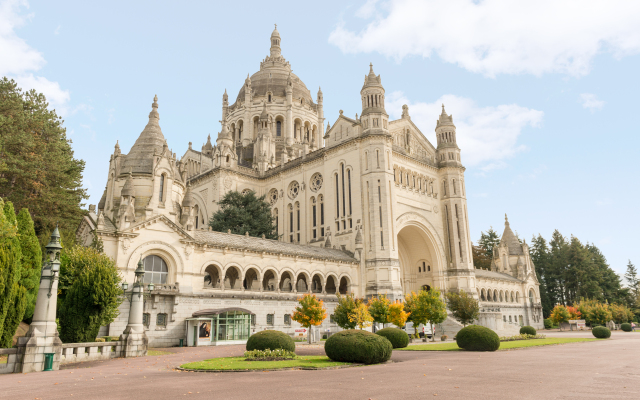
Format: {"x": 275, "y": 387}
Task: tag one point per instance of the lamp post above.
{"x": 136, "y": 298}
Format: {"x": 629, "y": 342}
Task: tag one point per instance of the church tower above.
{"x": 454, "y": 205}
{"x": 380, "y": 253}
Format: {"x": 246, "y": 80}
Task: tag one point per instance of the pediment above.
{"x": 159, "y": 223}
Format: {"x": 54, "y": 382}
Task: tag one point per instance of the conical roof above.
{"x": 444, "y": 119}
{"x": 510, "y": 240}
{"x": 128, "y": 189}
{"x": 372, "y": 79}
{"x": 150, "y": 141}
{"x": 187, "y": 201}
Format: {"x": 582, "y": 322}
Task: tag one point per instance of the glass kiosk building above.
{"x": 220, "y": 326}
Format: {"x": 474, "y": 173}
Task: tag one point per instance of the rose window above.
{"x": 273, "y": 196}
{"x": 294, "y": 189}
{"x": 316, "y": 182}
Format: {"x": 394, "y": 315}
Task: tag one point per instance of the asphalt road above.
{"x": 606, "y": 369}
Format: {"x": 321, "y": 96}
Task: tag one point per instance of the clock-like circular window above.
{"x": 316, "y": 182}
{"x": 294, "y": 189}
{"x": 273, "y": 196}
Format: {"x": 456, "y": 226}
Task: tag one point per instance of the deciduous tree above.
{"x": 560, "y": 314}
{"x": 379, "y": 309}
{"x": 463, "y": 306}
{"x": 360, "y": 316}
{"x": 346, "y": 305}
{"x": 90, "y": 295}
{"x": 397, "y": 315}
{"x": 425, "y": 306}
{"x": 310, "y": 312}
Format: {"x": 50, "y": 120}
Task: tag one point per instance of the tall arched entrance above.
{"x": 421, "y": 263}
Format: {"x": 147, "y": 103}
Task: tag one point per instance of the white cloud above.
{"x": 590, "y": 102}
{"x": 494, "y": 37}
{"x": 487, "y": 136}
{"x": 19, "y": 60}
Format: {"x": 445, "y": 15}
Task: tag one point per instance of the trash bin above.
{"x": 181, "y": 342}
{"x": 48, "y": 361}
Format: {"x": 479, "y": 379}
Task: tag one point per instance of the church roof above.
{"x": 510, "y": 240}
{"x": 270, "y": 246}
{"x": 151, "y": 140}
{"x": 483, "y": 273}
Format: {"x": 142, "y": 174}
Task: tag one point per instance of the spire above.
{"x": 444, "y": 119}
{"x": 225, "y": 96}
{"x": 506, "y": 220}
{"x": 127, "y": 189}
{"x": 510, "y": 239}
{"x": 150, "y": 141}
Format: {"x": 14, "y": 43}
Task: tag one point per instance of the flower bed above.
{"x": 523, "y": 336}
{"x": 269, "y": 355}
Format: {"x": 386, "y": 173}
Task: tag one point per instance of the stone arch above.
{"x": 495, "y": 295}
{"x": 418, "y": 242}
{"x": 286, "y": 282}
{"x": 512, "y": 297}
{"x": 232, "y": 277}
{"x": 297, "y": 129}
{"x": 501, "y": 296}
{"x": 483, "y": 296}
{"x": 331, "y": 284}
{"x": 270, "y": 280}
{"x": 345, "y": 284}
{"x": 169, "y": 254}
{"x": 532, "y": 296}
{"x": 303, "y": 281}
{"x": 317, "y": 283}
{"x": 212, "y": 276}
{"x": 518, "y": 297}
{"x": 251, "y": 279}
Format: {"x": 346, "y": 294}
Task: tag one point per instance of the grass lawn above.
{"x": 239, "y": 363}
{"x": 516, "y": 344}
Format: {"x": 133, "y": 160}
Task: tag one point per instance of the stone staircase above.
{"x": 449, "y": 327}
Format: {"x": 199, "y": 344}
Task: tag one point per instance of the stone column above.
{"x": 42, "y": 337}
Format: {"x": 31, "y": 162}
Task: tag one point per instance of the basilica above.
{"x": 364, "y": 205}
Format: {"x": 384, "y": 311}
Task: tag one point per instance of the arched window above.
{"x": 155, "y": 270}
{"x": 320, "y": 200}
{"x": 297, "y": 222}
{"x": 278, "y": 128}
{"x": 314, "y": 221}
{"x": 227, "y": 158}
{"x": 196, "y": 213}
{"x": 349, "y": 186}
{"x": 161, "y": 197}
{"x": 454, "y": 187}
{"x": 532, "y": 297}
{"x": 269, "y": 97}
{"x": 444, "y": 188}
{"x": 337, "y": 198}
{"x": 290, "y": 223}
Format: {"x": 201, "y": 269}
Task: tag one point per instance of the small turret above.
{"x": 126, "y": 211}
{"x": 374, "y": 116}
{"x": 275, "y": 42}
{"x": 448, "y": 150}
{"x": 225, "y": 104}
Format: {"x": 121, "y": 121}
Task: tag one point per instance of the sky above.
{"x": 544, "y": 94}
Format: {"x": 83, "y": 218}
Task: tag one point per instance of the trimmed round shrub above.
{"x": 397, "y": 337}
{"x": 528, "y": 330}
{"x": 358, "y": 346}
{"x": 271, "y": 340}
{"x": 477, "y": 338}
{"x": 601, "y": 332}
{"x": 548, "y": 323}
{"x": 626, "y": 327}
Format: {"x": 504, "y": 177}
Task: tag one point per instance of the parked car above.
{"x": 423, "y": 330}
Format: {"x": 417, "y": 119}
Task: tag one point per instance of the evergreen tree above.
{"x": 488, "y": 241}
{"x": 9, "y": 269}
{"x": 13, "y": 297}
{"x": 540, "y": 257}
{"x": 557, "y": 266}
{"x": 92, "y": 294}
{"x": 480, "y": 258}
{"x": 38, "y": 170}
{"x": 242, "y": 213}
{"x": 31, "y": 260}
{"x": 631, "y": 276}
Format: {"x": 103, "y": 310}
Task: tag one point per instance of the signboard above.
{"x": 204, "y": 330}
{"x": 579, "y": 323}
{"x": 301, "y": 332}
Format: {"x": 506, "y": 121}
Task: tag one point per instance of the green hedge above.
{"x": 358, "y": 346}
{"x": 626, "y": 327}
{"x": 548, "y": 323}
{"x": 271, "y": 340}
{"x": 397, "y": 337}
{"x": 477, "y": 338}
{"x": 529, "y": 330}
{"x": 601, "y": 332}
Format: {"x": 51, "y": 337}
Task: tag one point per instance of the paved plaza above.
{"x": 607, "y": 369}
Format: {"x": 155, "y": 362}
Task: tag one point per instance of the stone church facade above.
{"x": 366, "y": 205}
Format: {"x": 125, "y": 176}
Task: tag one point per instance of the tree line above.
{"x": 569, "y": 271}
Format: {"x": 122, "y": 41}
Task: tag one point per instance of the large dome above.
{"x": 275, "y": 81}
{"x": 273, "y": 75}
